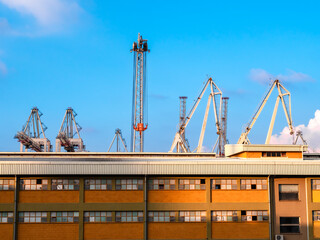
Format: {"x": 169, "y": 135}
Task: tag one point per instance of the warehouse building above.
{"x": 255, "y": 192}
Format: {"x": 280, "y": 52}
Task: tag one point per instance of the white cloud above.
{"x": 263, "y": 77}
{"x": 47, "y": 13}
{"x": 3, "y": 69}
{"x": 311, "y": 133}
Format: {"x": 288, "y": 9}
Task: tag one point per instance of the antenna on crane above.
{"x": 182, "y": 119}
{"x": 118, "y": 137}
{"x": 178, "y": 141}
{"x": 282, "y": 92}
{"x": 32, "y": 135}
{"x": 68, "y": 130}
{"x": 223, "y": 140}
{"x": 139, "y": 123}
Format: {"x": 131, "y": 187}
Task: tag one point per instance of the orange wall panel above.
{"x": 239, "y": 196}
{"x": 49, "y": 196}
{"x": 316, "y": 229}
{"x": 185, "y": 196}
{"x": 248, "y": 155}
{"x": 48, "y": 231}
{"x": 294, "y": 154}
{"x": 240, "y": 230}
{"x": 6, "y": 196}
{"x": 113, "y": 196}
{"x": 177, "y": 230}
{"x": 95, "y": 231}
{"x": 6, "y": 231}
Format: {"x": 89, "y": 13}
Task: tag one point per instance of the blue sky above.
{"x": 56, "y": 54}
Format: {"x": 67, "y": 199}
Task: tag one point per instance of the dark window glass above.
{"x": 289, "y": 225}
{"x": 288, "y": 192}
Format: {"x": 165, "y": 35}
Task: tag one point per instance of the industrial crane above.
{"x": 299, "y": 135}
{"x": 32, "y": 135}
{"x": 179, "y": 141}
{"x": 68, "y": 130}
{"x": 118, "y": 137}
{"x": 282, "y": 92}
{"x": 139, "y": 123}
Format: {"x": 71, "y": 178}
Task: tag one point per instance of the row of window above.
{"x": 287, "y": 224}
{"x": 290, "y": 191}
{"x": 136, "y": 216}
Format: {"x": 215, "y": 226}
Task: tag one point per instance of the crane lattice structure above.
{"x": 178, "y": 141}
{"x": 118, "y": 137}
{"x": 139, "y": 123}
{"x": 223, "y": 140}
{"x": 69, "y": 136}
{"x": 282, "y": 93}
{"x": 32, "y": 135}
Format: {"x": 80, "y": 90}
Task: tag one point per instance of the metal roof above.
{"x": 148, "y": 164}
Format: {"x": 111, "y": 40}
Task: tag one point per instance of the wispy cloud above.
{"x": 263, "y": 77}
{"x": 311, "y": 133}
{"x": 49, "y": 15}
{"x": 3, "y": 68}
{"x": 158, "y": 96}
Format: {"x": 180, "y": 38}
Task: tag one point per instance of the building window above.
{"x": 316, "y": 216}
{"x": 33, "y": 184}
{"x": 98, "y": 217}
{"x": 6, "y": 217}
{"x": 288, "y": 192}
{"x": 162, "y": 216}
{"x": 64, "y": 217}
{"x": 98, "y": 184}
{"x": 192, "y": 184}
{"x": 33, "y": 217}
{"x": 224, "y": 184}
{"x": 289, "y": 225}
{"x": 224, "y": 216}
{"x": 64, "y": 184}
{"x": 6, "y": 184}
{"x": 274, "y": 154}
{"x": 162, "y": 184}
{"x": 259, "y": 184}
{"x": 192, "y": 216}
{"x": 129, "y": 216}
{"x": 254, "y": 216}
{"x": 315, "y": 184}
{"x": 129, "y": 184}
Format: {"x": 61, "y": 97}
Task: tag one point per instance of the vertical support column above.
{"x": 15, "y": 211}
{"x": 81, "y": 208}
{"x": 145, "y": 211}
{"x": 208, "y": 197}
{"x": 272, "y": 214}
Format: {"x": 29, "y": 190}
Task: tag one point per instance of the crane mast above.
{"x": 139, "y": 122}
{"x": 223, "y": 140}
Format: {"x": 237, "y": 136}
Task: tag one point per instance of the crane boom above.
{"x": 244, "y": 136}
{"x": 178, "y": 139}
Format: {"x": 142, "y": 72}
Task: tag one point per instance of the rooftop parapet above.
{"x": 265, "y": 151}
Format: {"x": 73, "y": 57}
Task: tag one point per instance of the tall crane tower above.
{"x": 139, "y": 121}
{"x": 69, "y": 136}
{"x": 32, "y": 135}
{"x": 182, "y": 119}
{"x": 223, "y": 140}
